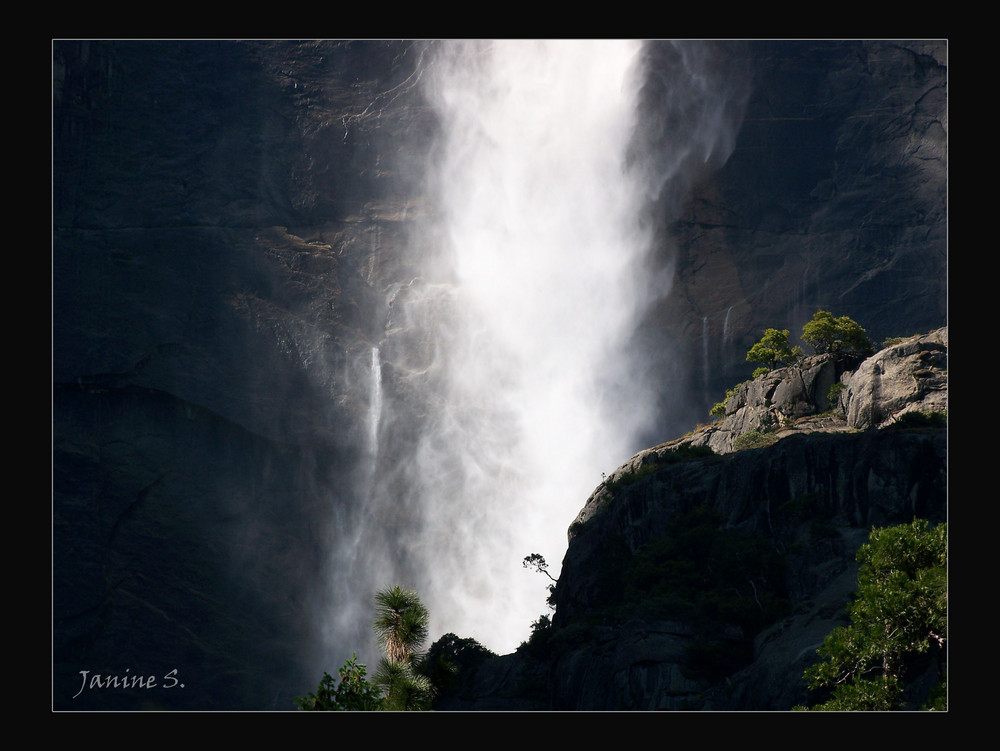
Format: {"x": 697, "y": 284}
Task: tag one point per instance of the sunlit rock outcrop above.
{"x": 911, "y": 376}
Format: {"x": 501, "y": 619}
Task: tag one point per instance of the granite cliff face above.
{"x": 222, "y": 214}
{"x": 231, "y": 221}
{"x": 806, "y": 212}
{"x": 705, "y": 580}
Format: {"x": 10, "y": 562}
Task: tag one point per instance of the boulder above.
{"x": 911, "y": 376}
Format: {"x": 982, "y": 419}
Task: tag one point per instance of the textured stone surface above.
{"x": 813, "y": 498}
{"x": 911, "y": 376}
{"x": 214, "y": 210}
{"x": 834, "y": 198}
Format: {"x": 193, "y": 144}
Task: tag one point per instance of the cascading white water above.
{"x": 375, "y": 406}
{"x": 543, "y": 243}
{"x": 511, "y": 382}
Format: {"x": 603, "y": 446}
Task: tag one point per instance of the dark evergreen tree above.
{"x": 900, "y": 611}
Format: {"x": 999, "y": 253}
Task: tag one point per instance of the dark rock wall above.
{"x": 616, "y": 644}
{"x": 834, "y": 197}
{"x": 214, "y": 209}
{"x": 859, "y": 480}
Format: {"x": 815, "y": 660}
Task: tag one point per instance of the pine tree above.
{"x": 900, "y": 611}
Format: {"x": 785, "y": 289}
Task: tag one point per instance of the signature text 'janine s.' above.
{"x": 127, "y": 680}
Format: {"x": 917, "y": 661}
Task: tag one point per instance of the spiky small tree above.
{"x": 401, "y": 622}
{"x": 401, "y": 626}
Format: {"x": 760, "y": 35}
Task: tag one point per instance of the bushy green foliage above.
{"x": 537, "y": 644}
{"x": 719, "y": 409}
{"x": 398, "y": 682}
{"x": 449, "y": 657}
{"x": 352, "y": 693}
{"x": 842, "y": 335}
{"x": 833, "y": 395}
{"x": 773, "y": 349}
{"x": 687, "y": 452}
{"x": 754, "y": 439}
{"x": 900, "y": 611}
{"x": 920, "y": 420}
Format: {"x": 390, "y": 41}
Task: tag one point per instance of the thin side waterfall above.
{"x": 375, "y": 407}
{"x": 704, "y": 351}
{"x": 724, "y": 356}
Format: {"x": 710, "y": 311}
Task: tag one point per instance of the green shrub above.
{"x": 687, "y": 452}
{"x": 833, "y": 395}
{"x": 753, "y": 439}
{"x": 450, "y": 656}
{"x": 920, "y": 420}
{"x": 352, "y": 693}
{"x": 773, "y": 349}
{"x": 719, "y": 410}
{"x": 899, "y": 612}
{"x": 537, "y": 644}
{"x": 842, "y": 335}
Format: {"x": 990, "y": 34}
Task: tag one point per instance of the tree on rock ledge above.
{"x": 773, "y": 349}
{"x": 842, "y": 335}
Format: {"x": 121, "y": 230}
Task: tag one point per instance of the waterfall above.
{"x": 724, "y": 356}
{"x": 375, "y": 407}
{"x": 704, "y": 352}
{"x": 542, "y": 245}
{"x": 511, "y": 381}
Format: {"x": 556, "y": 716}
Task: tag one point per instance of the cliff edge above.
{"x": 703, "y": 573}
